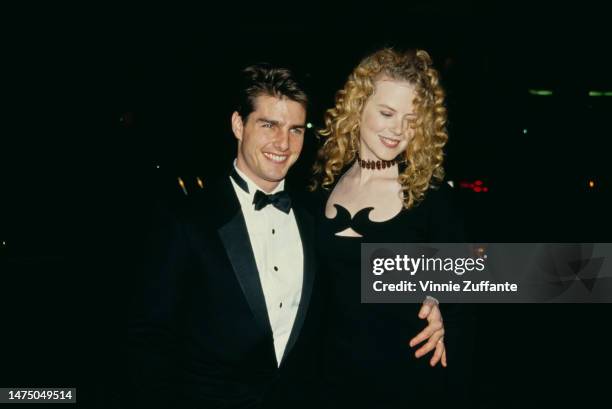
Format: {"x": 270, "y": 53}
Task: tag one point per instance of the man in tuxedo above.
{"x": 230, "y": 315}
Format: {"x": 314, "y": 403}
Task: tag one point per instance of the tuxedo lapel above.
{"x": 305, "y": 226}
{"x": 238, "y": 246}
{"x": 235, "y": 238}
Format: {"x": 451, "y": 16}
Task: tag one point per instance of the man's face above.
{"x": 271, "y": 139}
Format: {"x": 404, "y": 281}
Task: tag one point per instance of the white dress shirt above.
{"x": 277, "y": 247}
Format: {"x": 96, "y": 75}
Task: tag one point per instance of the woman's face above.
{"x": 384, "y": 124}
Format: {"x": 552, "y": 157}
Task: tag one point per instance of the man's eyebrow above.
{"x": 276, "y": 123}
{"x": 270, "y": 121}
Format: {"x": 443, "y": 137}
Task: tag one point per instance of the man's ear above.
{"x": 237, "y": 125}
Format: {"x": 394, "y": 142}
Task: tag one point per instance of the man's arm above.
{"x": 153, "y": 334}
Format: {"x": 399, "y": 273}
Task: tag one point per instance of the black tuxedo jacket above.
{"x": 199, "y": 334}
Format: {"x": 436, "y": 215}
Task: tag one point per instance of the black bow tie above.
{"x": 280, "y": 200}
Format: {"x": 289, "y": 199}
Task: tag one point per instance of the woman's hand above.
{"x": 433, "y": 333}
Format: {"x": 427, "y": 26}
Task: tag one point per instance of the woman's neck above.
{"x": 363, "y": 175}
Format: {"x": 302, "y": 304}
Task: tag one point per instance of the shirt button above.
{"x": 273, "y": 231}
{"x": 275, "y": 268}
{"x": 281, "y": 305}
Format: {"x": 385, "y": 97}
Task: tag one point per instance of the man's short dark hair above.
{"x": 263, "y": 79}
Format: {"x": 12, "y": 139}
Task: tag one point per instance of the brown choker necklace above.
{"x": 376, "y": 164}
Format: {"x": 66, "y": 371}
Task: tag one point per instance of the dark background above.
{"x": 107, "y": 106}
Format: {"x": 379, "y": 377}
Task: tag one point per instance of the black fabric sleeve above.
{"x": 447, "y": 225}
{"x": 153, "y": 335}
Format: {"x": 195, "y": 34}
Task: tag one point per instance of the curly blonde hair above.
{"x": 423, "y": 155}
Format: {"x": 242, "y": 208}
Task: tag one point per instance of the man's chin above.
{"x": 275, "y": 178}
{"x": 276, "y": 175}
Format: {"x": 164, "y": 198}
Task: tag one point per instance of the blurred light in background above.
{"x": 600, "y": 93}
{"x": 477, "y": 186}
{"x": 541, "y": 92}
{"x": 182, "y": 185}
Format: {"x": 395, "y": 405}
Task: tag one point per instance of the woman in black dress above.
{"x": 381, "y": 179}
